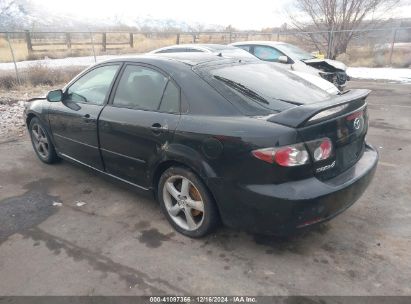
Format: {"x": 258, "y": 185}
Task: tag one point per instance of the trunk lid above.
{"x": 343, "y": 119}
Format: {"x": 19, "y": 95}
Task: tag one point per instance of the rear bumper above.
{"x": 284, "y": 208}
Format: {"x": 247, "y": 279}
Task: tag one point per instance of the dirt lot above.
{"x": 120, "y": 243}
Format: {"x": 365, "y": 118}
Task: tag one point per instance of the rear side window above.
{"x": 141, "y": 88}
{"x": 170, "y": 102}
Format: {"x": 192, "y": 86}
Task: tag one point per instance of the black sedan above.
{"x": 214, "y": 139}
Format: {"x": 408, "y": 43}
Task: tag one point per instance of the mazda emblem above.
{"x": 357, "y": 123}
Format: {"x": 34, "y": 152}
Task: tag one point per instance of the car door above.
{"x": 138, "y": 122}
{"x": 74, "y": 120}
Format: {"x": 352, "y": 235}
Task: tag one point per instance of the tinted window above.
{"x": 262, "y": 88}
{"x": 244, "y": 47}
{"x": 267, "y": 53}
{"x": 170, "y": 51}
{"x": 171, "y": 99}
{"x": 92, "y": 87}
{"x": 140, "y": 87}
{"x": 294, "y": 51}
{"x": 193, "y": 50}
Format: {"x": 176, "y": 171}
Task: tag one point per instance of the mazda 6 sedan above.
{"x": 214, "y": 139}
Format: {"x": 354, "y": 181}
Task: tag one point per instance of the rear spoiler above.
{"x": 300, "y": 115}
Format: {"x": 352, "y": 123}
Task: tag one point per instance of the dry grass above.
{"x": 368, "y": 57}
{"x": 39, "y": 75}
{"x": 357, "y": 55}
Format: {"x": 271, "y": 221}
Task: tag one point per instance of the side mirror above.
{"x": 55, "y": 96}
{"x": 283, "y": 59}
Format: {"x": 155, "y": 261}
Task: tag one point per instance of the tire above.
{"x": 187, "y": 203}
{"x": 41, "y": 142}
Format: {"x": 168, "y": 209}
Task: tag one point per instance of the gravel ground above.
{"x": 12, "y": 104}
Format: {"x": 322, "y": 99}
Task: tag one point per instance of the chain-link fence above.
{"x": 22, "y": 51}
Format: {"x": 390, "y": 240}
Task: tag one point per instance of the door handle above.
{"x": 87, "y": 118}
{"x": 157, "y": 128}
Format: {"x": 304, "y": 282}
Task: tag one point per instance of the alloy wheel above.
{"x": 183, "y": 202}
{"x": 40, "y": 141}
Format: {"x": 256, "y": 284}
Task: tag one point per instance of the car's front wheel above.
{"x": 41, "y": 142}
{"x": 187, "y": 203}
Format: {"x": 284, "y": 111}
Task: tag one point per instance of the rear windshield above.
{"x": 261, "y": 88}
{"x": 235, "y": 53}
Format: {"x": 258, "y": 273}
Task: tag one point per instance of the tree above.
{"x": 337, "y": 20}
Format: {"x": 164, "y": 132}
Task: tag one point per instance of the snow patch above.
{"x": 399, "y": 75}
{"x": 57, "y": 63}
{"x": 11, "y": 118}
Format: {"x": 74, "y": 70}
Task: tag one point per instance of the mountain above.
{"x": 18, "y": 15}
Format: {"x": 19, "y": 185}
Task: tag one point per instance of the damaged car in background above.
{"x": 297, "y": 59}
{"x": 228, "y": 51}
{"x": 213, "y": 139}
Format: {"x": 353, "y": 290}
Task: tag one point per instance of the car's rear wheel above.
{"x": 187, "y": 203}
{"x": 41, "y": 142}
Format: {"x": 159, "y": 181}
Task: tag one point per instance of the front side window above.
{"x": 140, "y": 88}
{"x": 93, "y": 87}
{"x": 267, "y": 53}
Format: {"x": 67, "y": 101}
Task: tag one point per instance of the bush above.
{"x": 40, "y": 75}
{"x": 8, "y": 81}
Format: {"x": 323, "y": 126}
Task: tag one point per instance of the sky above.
{"x": 240, "y": 14}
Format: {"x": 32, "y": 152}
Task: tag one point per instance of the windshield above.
{"x": 294, "y": 52}
{"x": 262, "y": 88}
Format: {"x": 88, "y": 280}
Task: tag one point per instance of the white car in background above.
{"x": 296, "y": 59}
{"x": 230, "y": 51}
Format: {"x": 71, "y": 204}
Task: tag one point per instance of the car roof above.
{"x": 206, "y": 47}
{"x": 189, "y": 59}
{"x": 271, "y": 43}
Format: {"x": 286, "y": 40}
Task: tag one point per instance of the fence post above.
{"x": 68, "y": 40}
{"x": 178, "y": 38}
{"x": 231, "y": 37}
{"x": 14, "y": 59}
{"x": 104, "y": 42}
{"x": 28, "y": 42}
{"x": 392, "y": 45}
{"x": 131, "y": 40}
{"x": 92, "y": 44}
{"x": 278, "y": 36}
{"x": 330, "y": 43}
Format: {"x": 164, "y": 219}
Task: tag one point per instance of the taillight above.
{"x": 320, "y": 149}
{"x": 288, "y": 156}
{"x": 296, "y": 155}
